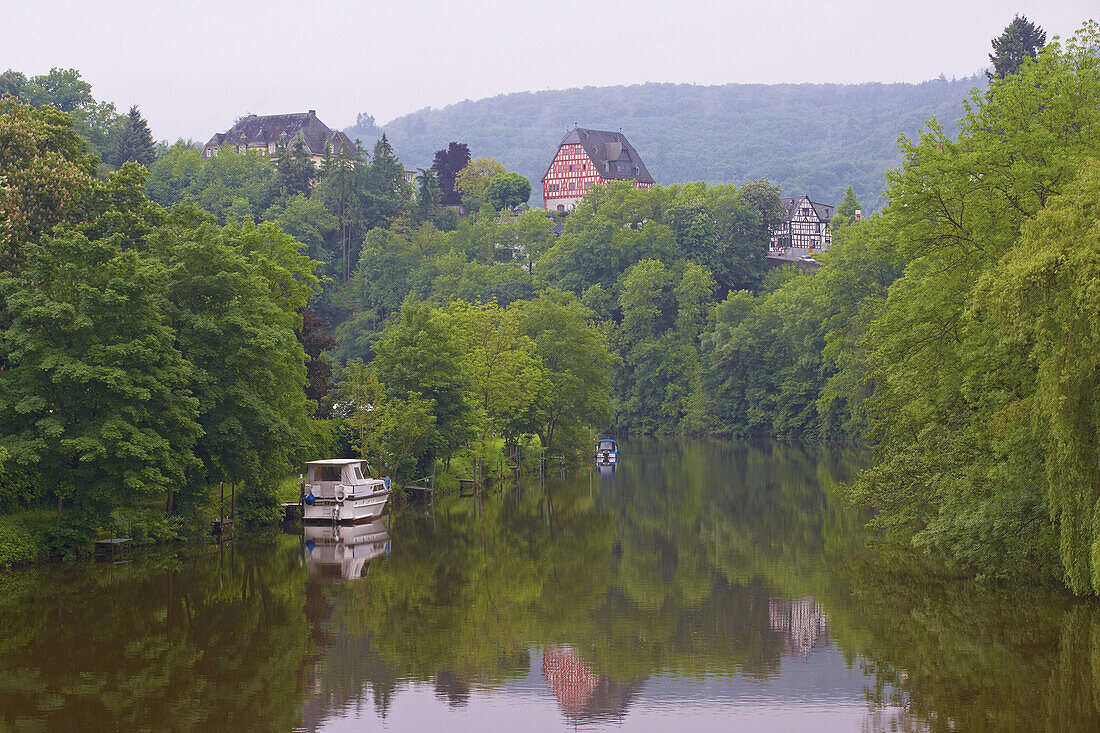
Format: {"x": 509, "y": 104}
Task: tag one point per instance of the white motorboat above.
{"x": 338, "y": 491}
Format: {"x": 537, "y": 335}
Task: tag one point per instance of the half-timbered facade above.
{"x": 587, "y": 158}
{"x": 805, "y": 229}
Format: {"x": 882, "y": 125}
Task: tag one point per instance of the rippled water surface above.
{"x": 702, "y": 586}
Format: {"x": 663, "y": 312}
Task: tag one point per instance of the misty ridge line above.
{"x": 808, "y": 138}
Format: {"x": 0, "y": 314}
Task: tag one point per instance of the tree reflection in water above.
{"x": 697, "y": 562}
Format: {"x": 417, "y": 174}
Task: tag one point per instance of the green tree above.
{"x": 12, "y": 83}
{"x": 175, "y": 174}
{"x": 959, "y": 468}
{"x": 501, "y": 376}
{"x": 1043, "y": 297}
{"x": 417, "y": 355}
{"x": 294, "y": 170}
{"x": 575, "y": 365}
{"x": 386, "y": 179}
{"x": 473, "y": 179}
{"x": 428, "y": 196}
{"x": 61, "y": 89}
{"x": 135, "y": 142}
{"x": 235, "y": 297}
{"x": 1020, "y": 40}
{"x": 507, "y": 190}
{"x": 308, "y": 221}
{"x": 845, "y": 212}
{"x": 95, "y": 399}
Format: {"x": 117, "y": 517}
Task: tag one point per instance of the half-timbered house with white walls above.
{"x": 805, "y": 229}
{"x": 587, "y": 158}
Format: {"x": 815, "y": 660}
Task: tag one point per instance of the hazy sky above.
{"x": 193, "y": 67}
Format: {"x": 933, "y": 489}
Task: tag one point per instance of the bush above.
{"x": 23, "y": 537}
{"x": 147, "y": 526}
{"x": 257, "y": 507}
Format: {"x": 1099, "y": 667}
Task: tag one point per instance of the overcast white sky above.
{"x": 193, "y": 67}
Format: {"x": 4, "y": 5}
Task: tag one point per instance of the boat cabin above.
{"x": 323, "y": 478}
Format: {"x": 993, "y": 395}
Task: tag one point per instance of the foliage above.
{"x": 235, "y": 296}
{"x": 507, "y": 190}
{"x": 1020, "y": 40}
{"x": 473, "y": 179}
{"x": 49, "y": 177}
{"x": 963, "y": 443}
{"x": 575, "y": 368}
{"x": 63, "y": 89}
{"x": 449, "y": 163}
{"x": 95, "y": 402}
{"x": 135, "y": 142}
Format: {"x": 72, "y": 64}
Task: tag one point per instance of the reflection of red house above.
{"x": 585, "y": 697}
{"x": 569, "y": 678}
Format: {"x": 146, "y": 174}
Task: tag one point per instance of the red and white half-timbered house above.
{"x": 587, "y": 158}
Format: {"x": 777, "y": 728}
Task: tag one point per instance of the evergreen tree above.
{"x": 846, "y": 211}
{"x": 387, "y": 176}
{"x": 428, "y": 197}
{"x": 295, "y": 171}
{"x": 135, "y": 143}
{"x": 849, "y": 205}
{"x": 1021, "y": 39}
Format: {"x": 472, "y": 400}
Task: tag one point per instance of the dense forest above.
{"x": 190, "y": 322}
{"x": 813, "y": 139}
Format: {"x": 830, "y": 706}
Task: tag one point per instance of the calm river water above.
{"x": 703, "y": 586}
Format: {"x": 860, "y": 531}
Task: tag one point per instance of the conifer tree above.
{"x": 1021, "y": 39}
{"x": 135, "y": 142}
{"x": 387, "y": 176}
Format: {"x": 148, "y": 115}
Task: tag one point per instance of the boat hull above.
{"x": 350, "y": 510}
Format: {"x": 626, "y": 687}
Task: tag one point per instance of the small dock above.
{"x": 109, "y": 549}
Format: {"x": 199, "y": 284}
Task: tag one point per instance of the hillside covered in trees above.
{"x": 808, "y": 138}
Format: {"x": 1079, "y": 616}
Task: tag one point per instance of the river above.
{"x": 704, "y": 585}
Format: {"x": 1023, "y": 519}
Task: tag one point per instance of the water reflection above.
{"x": 341, "y": 552}
{"x": 704, "y": 584}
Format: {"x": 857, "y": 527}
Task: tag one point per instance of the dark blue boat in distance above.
{"x": 607, "y": 453}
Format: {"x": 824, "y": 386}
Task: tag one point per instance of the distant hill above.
{"x": 809, "y": 138}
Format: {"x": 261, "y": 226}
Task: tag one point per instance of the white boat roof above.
{"x": 336, "y": 462}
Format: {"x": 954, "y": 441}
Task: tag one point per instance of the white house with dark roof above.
{"x": 587, "y": 158}
{"x": 805, "y": 229}
{"x": 271, "y": 133}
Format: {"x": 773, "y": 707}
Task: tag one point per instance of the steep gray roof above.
{"x": 793, "y": 203}
{"x": 283, "y": 130}
{"x": 612, "y": 154}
